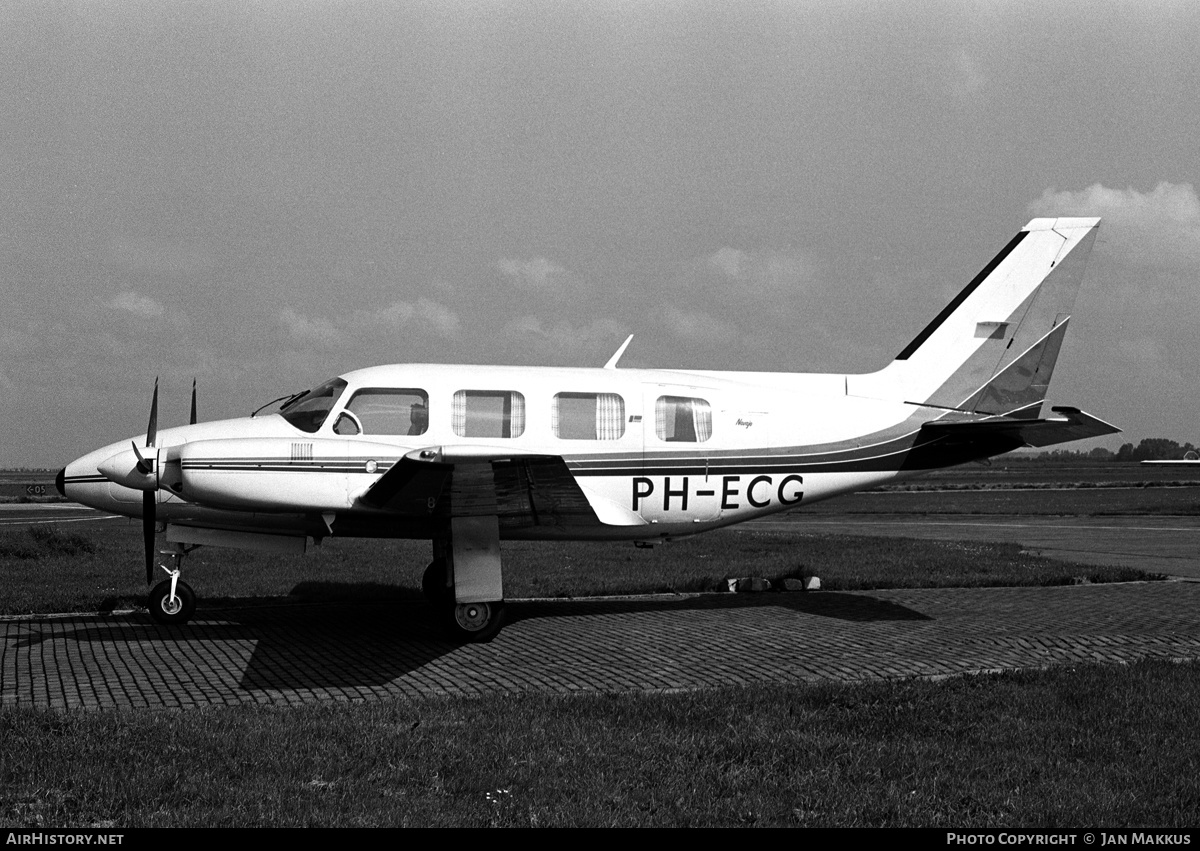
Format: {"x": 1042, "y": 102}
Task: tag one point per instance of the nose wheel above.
{"x": 172, "y": 605}
{"x": 173, "y": 602}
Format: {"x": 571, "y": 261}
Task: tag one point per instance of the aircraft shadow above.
{"x": 370, "y": 645}
{"x": 849, "y": 607}
{"x": 295, "y": 645}
{"x": 361, "y": 643}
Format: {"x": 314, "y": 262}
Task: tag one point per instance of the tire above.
{"x": 169, "y": 613}
{"x": 474, "y": 622}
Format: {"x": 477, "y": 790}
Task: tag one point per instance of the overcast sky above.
{"x": 265, "y": 194}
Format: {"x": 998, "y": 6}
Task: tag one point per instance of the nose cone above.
{"x": 81, "y": 481}
{"x": 125, "y": 468}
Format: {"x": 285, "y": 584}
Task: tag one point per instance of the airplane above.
{"x": 470, "y": 456}
{"x": 1191, "y": 457}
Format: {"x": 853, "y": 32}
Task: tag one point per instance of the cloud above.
{"x": 1159, "y": 228}
{"x": 966, "y": 78}
{"x": 425, "y": 313}
{"x": 422, "y": 317}
{"x": 306, "y": 330}
{"x": 437, "y": 317}
{"x": 137, "y": 304}
{"x": 697, "y": 326}
{"x": 395, "y": 315}
{"x": 564, "y": 343}
{"x": 729, "y": 261}
{"x": 537, "y": 273}
{"x": 770, "y": 273}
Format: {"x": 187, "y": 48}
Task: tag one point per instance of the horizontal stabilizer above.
{"x": 1074, "y": 424}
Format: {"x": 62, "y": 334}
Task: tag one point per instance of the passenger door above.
{"x": 677, "y": 435}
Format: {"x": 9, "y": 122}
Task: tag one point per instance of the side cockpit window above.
{"x": 587, "y": 416}
{"x": 682, "y": 419}
{"x": 308, "y": 412}
{"x": 488, "y": 413}
{"x": 388, "y": 411}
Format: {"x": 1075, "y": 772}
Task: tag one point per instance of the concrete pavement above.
{"x": 300, "y": 654}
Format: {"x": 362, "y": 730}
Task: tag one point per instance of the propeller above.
{"x": 139, "y": 470}
{"x": 150, "y": 497}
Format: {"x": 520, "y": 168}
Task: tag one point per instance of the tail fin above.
{"x": 993, "y": 348}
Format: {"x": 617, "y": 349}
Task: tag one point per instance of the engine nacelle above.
{"x": 277, "y": 474}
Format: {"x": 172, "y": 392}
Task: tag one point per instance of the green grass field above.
{"x": 53, "y": 569}
{"x": 1067, "y": 747}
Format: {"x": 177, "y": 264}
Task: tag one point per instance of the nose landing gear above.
{"x": 173, "y": 602}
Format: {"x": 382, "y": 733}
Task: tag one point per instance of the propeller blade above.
{"x": 149, "y": 500}
{"x": 143, "y": 465}
{"x": 149, "y": 497}
{"x": 192, "y": 421}
{"x": 152, "y": 429}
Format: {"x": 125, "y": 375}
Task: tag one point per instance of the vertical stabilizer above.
{"x": 993, "y": 348}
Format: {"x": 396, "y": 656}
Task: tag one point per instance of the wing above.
{"x": 522, "y": 490}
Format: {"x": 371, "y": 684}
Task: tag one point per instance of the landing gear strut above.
{"x": 464, "y": 581}
{"x": 173, "y": 602}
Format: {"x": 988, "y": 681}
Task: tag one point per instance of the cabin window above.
{"x": 680, "y": 419}
{"x": 588, "y": 416}
{"x": 488, "y": 413}
{"x": 308, "y": 412}
{"x": 391, "y": 411}
{"x": 346, "y": 425}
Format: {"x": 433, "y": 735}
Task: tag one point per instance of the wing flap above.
{"x": 540, "y": 491}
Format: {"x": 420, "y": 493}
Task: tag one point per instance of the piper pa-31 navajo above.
{"x": 469, "y": 456}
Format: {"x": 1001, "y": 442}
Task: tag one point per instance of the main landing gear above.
{"x": 172, "y": 602}
{"x": 464, "y": 581}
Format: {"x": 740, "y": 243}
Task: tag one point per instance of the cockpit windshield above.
{"x": 309, "y": 411}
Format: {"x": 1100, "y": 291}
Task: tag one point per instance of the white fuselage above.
{"x": 670, "y": 453}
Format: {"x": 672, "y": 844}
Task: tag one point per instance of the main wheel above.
{"x": 433, "y": 582}
{"x": 474, "y": 621}
{"x": 170, "y": 611}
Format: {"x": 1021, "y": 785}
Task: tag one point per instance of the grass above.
{"x": 1063, "y": 747}
{"x": 1043, "y": 502}
{"x": 41, "y": 542}
{"x": 48, "y": 570}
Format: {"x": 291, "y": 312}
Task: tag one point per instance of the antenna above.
{"x": 612, "y": 362}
